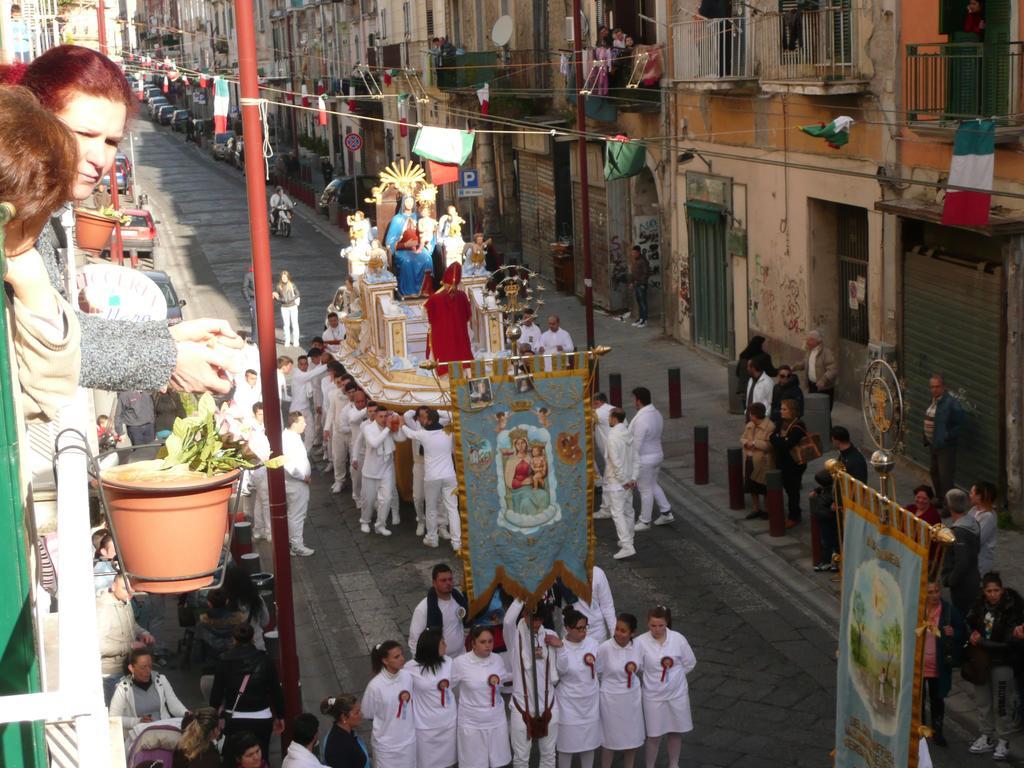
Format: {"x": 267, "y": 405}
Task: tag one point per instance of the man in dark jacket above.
{"x": 960, "y": 567}
{"x": 849, "y": 454}
{"x": 787, "y": 388}
{"x": 943, "y": 423}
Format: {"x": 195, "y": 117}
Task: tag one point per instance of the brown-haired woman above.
{"x": 666, "y": 660}
{"x": 757, "y": 455}
{"x": 342, "y": 747}
{"x": 482, "y": 732}
{"x": 787, "y": 436}
{"x": 37, "y": 173}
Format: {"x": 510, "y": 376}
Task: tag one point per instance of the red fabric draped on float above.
{"x": 449, "y": 312}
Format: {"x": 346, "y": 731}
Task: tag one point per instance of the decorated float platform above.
{"x": 387, "y": 327}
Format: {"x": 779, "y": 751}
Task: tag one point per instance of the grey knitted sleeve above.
{"x": 119, "y": 355}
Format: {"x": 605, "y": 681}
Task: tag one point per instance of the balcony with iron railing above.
{"x": 713, "y": 54}
{"x": 811, "y": 52}
{"x": 465, "y": 70}
{"x": 946, "y": 83}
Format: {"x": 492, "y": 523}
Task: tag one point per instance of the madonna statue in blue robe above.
{"x": 411, "y": 262}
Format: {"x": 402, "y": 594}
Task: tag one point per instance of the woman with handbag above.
{"x": 246, "y": 686}
{"x": 943, "y": 638}
{"x": 991, "y": 651}
{"x": 786, "y": 444}
{"x": 757, "y": 455}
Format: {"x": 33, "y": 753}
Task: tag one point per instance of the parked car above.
{"x": 140, "y": 233}
{"x": 238, "y": 153}
{"x": 155, "y": 104}
{"x": 174, "y": 304}
{"x": 222, "y": 144}
{"x": 178, "y": 120}
{"x": 124, "y": 174}
{"x": 341, "y": 191}
{"x": 163, "y": 115}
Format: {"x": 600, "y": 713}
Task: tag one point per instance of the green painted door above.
{"x": 709, "y": 278}
{"x": 953, "y": 325}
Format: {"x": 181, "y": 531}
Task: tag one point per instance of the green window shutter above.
{"x": 996, "y": 67}
{"x": 951, "y": 16}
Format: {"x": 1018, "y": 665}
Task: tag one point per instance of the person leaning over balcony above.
{"x": 35, "y": 146}
{"x": 118, "y": 633}
{"x": 144, "y": 696}
{"x": 91, "y": 96}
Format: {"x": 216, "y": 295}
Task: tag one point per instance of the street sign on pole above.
{"x": 353, "y": 142}
{"x": 469, "y": 183}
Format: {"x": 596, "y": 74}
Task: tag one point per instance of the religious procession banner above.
{"x": 885, "y": 570}
{"x": 523, "y": 453}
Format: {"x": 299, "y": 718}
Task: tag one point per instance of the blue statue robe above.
{"x": 410, "y": 266}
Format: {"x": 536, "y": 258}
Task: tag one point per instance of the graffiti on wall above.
{"x": 792, "y": 306}
{"x": 776, "y": 307}
{"x": 684, "y": 289}
{"x": 647, "y": 235}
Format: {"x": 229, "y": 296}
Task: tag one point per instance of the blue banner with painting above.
{"x": 523, "y": 454}
{"x": 885, "y": 567}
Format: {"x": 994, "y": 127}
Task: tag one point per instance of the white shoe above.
{"x": 430, "y": 542}
{"x": 364, "y": 527}
{"x": 623, "y": 553}
{"x": 302, "y": 551}
{"x": 642, "y": 526}
{"x": 335, "y": 488}
{"x": 382, "y": 531}
{"x": 602, "y": 514}
{"x": 982, "y": 745}
{"x": 456, "y": 547}
{"x": 666, "y": 519}
{"x": 258, "y": 537}
{"x": 635, "y": 324}
{"x": 443, "y": 533}
{"x": 420, "y": 529}
{"x": 641, "y": 324}
{"x": 1002, "y": 751}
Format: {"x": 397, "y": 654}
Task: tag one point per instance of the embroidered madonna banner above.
{"x": 885, "y": 569}
{"x": 523, "y": 449}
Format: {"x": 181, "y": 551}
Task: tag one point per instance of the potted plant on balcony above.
{"x": 93, "y": 227}
{"x": 169, "y": 516}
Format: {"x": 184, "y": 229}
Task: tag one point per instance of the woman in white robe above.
{"x": 388, "y": 701}
{"x": 483, "y": 726}
{"x": 578, "y": 693}
{"x": 436, "y": 708}
{"x": 618, "y": 666}
{"x": 667, "y": 659}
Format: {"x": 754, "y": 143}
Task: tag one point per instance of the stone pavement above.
{"x": 761, "y": 623}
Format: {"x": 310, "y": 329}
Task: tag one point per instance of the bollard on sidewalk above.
{"x": 700, "y": 455}
{"x": 615, "y": 389}
{"x": 249, "y": 563}
{"x": 734, "y": 458}
{"x": 776, "y": 509}
{"x": 241, "y": 541}
{"x": 675, "y": 394}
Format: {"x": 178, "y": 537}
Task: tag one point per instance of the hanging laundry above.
{"x": 623, "y": 158}
{"x": 321, "y": 106}
{"x": 443, "y": 145}
{"x": 836, "y": 134}
{"x": 484, "y": 95}
{"x": 403, "y": 115}
{"x": 305, "y": 95}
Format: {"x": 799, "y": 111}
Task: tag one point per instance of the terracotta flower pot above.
{"x": 92, "y": 231}
{"x": 168, "y": 525}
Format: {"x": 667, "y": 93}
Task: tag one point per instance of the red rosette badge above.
{"x": 630, "y": 671}
{"x": 403, "y": 698}
{"x": 442, "y": 686}
{"x": 590, "y": 661}
{"x": 493, "y": 681}
{"x": 666, "y": 664}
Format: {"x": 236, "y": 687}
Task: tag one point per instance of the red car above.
{"x": 140, "y": 233}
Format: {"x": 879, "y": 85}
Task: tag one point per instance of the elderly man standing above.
{"x": 943, "y": 423}
{"x": 820, "y": 365}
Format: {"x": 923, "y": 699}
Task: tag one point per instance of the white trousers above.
{"x": 521, "y": 745}
{"x": 261, "y": 509}
{"x": 309, "y": 434}
{"x": 357, "y": 478}
{"x": 417, "y": 486}
{"x": 441, "y": 505}
{"x": 290, "y": 320}
{"x": 377, "y": 494}
{"x": 650, "y": 491}
{"x": 621, "y": 515}
{"x": 339, "y": 456}
{"x": 297, "y": 494}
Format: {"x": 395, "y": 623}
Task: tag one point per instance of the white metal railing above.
{"x": 804, "y": 45}
{"x": 78, "y": 697}
{"x": 712, "y": 49}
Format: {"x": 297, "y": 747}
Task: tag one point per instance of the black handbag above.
{"x": 976, "y": 666}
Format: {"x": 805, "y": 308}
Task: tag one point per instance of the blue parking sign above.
{"x": 468, "y": 178}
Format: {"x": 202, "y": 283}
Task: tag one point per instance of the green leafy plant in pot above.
{"x": 93, "y": 227}
{"x": 170, "y": 515}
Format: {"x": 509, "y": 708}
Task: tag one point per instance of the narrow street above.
{"x": 763, "y": 689}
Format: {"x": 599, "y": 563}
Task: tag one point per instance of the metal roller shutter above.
{"x": 529, "y": 206}
{"x": 953, "y": 324}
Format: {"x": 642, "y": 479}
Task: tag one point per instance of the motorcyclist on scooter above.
{"x": 279, "y": 201}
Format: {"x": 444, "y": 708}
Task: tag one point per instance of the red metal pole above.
{"x": 615, "y": 389}
{"x": 581, "y": 144}
{"x": 259, "y": 233}
{"x": 675, "y": 394}
{"x": 700, "y": 455}
{"x": 116, "y": 248}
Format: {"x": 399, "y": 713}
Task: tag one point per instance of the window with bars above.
{"x": 430, "y": 23}
{"x": 852, "y": 250}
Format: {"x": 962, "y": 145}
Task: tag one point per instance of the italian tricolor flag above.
{"x": 973, "y": 160}
{"x": 221, "y": 104}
